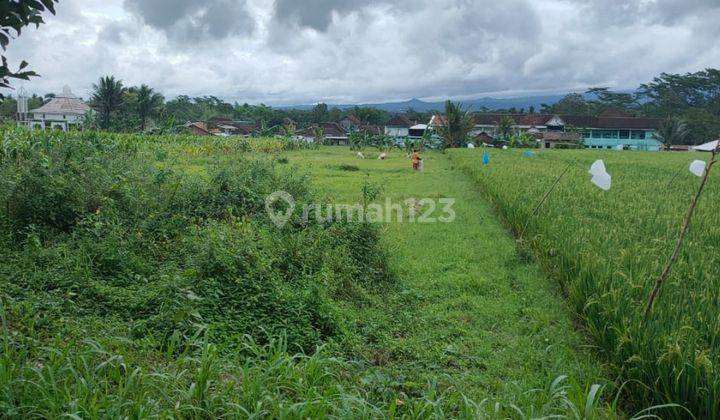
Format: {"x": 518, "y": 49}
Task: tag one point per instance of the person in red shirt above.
{"x": 416, "y": 160}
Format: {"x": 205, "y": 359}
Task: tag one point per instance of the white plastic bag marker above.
{"x": 698, "y": 168}
{"x": 598, "y": 168}
{"x": 602, "y": 181}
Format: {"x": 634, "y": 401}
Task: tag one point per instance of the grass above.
{"x": 141, "y": 277}
{"x": 606, "y": 249}
{"x": 470, "y": 313}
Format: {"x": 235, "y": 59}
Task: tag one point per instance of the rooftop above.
{"x": 64, "y": 103}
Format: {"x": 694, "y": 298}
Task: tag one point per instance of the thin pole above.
{"x": 683, "y": 233}
{"x": 545, "y": 197}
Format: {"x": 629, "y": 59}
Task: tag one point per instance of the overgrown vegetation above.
{"x": 106, "y": 237}
{"x": 607, "y": 248}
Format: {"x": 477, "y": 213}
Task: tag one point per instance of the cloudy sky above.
{"x": 353, "y": 51}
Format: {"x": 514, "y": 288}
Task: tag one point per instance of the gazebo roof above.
{"x": 65, "y": 103}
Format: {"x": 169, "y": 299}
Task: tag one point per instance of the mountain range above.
{"x": 470, "y": 105}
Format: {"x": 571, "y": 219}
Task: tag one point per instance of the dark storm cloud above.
{"x": 194, "y": 19}
{"x": 316, "y": 14}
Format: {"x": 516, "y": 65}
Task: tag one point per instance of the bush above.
{"x": 98, "y": 229}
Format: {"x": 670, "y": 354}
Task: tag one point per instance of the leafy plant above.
{"x": 107, "y": 98}
{"x": 457, "y": 126}
{"x": 14, "y": 17}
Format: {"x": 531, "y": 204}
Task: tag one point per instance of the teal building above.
{"x": 611, "y": 130}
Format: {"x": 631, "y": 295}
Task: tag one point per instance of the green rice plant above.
{"x": 604, "y": 246}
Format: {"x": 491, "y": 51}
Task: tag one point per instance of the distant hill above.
{"x": 471, "y": 105}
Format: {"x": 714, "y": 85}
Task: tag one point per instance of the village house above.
{"x": 399, "y": 126}
{"x": 333, "y": 133}
{"x": 351, "y": 123}
{"x": 610, "y": 130}
{"x": 63, "y": 112}
{"x": 223, "y": 127}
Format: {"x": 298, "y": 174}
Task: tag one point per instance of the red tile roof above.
{"x": 400, "y": 121}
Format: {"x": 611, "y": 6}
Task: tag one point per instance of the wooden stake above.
{"x": 683, "y": 232}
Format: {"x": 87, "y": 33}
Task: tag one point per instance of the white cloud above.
{"x": 367, "y": 50}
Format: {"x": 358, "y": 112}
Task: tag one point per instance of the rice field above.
{"x": 605, "y": 249}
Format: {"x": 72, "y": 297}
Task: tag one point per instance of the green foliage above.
{"x": 108, "y": 96}
{"x": 457, "y": 126}
{"x": 97, "y": 223}
{"x": 505, "y": 127}
{"x": 14, "y": 17}
{"x": 359, "y": 140}
{"x": 607, "y": 248}
{"x": 672, "y": 131}
{"x": 147, "y": 103}
{"x": 523, "y": 140}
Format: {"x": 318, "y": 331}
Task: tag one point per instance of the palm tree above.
{"x": 457, "y": 125}
{"x": 147, "y": 103}
{"x": 672, "y": 131}
{"x": 107, "y": 98}
{"x": 505, "y": 127}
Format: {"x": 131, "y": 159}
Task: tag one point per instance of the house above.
{"x": 399, "y": 126}
{"x": 333, "y": 133}
{"x": 553, "y": 139}
{"x": 417, "y": 131}
{"x": 62, "y": 112}
{"x": 373, "y": 130}
{"x": 610, "y": 130}
{"x": 483, "y": 139}
{"x": 198, "y": 128}
{"x": 351, "y": 123}
{"x": 221, "y": 126}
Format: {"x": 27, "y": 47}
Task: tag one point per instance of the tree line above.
{"x": 688, "y": 104}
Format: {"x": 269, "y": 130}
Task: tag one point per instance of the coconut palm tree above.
{"x": 457, "y": 125}
{"x": 107, "y": 98}
{"x": 672, "y": 131}
{"x": 505, "y": 127}
{"x": 147, "y": 103}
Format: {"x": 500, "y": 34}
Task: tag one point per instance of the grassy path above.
{"x": 470, "y": 314}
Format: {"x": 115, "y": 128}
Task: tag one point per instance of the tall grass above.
{"x": 605, "y": 248}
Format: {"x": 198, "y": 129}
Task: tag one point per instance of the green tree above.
{"x": 14, "y": 16}
{"x": 694, "y": 97}
{"x": 147, "y": 103}
{"x": 607, "y": 99}
{"x": 320, "y": 113}
{"x": 457, "y": 126}
{"x": 318, "y": 135}
{"x": 107, "y": 98}
{"x": 505, "y": 127}
{"x": 571, "y": 104}
{"x": 672, "y": 131}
